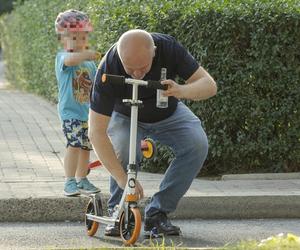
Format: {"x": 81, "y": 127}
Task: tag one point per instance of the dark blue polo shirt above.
{"x": 168, "y": 54}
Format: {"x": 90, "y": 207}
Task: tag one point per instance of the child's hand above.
{"x": 98, "y": 56}
{"x": 92, "y": 55}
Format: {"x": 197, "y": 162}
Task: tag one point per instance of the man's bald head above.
{"x": 136, "y": 50}
{"x": 134, "y": 41}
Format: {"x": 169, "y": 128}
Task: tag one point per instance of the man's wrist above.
{"x": 122, "y": 183}
{"x": 184, "y": 91}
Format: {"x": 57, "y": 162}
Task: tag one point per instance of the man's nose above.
{"x": 138, "y": 74}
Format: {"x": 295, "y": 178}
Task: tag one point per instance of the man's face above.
{"x": 138, "y": 65}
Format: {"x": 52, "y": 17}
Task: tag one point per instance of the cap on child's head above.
{"x": 72, "y": 21}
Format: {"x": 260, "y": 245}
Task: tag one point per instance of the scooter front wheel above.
{"x": 131, "y": 231}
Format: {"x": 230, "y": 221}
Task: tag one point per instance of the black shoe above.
{"x": 112, "y": 230}
{"x": 158, "y": 225}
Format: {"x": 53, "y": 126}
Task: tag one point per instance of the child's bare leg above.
{"x": 82, "y": 164}
{"x": 83, "y": 183}
{"x": 70, "y": 165}
{"x": 71, "y": 161}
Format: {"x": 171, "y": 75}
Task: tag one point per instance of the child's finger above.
{"x": 98, "y": 56}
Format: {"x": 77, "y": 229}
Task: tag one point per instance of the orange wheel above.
{"x": 130, "y": 234}
{"x": 92, "y": 226}
{"x": 149, "y": 150}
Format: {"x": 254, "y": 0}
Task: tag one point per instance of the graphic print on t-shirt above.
{"x": 82, "y": 85}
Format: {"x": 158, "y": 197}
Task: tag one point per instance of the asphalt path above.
{"x": 195, "y": 234}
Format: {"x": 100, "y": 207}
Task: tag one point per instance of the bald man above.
{"x": 141, "y": 55}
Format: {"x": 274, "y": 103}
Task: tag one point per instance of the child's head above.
{"x": 72, "y": 28}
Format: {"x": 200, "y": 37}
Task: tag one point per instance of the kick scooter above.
{"x": 126, "y": 214}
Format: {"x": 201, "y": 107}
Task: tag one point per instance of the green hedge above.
{"x": 6, "y": 6}
{"x": 251, "y": 48}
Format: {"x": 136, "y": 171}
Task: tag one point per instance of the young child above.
{"x": 75, "y": 71}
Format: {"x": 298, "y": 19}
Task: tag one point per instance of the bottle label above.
{"x": 162, "y": 101}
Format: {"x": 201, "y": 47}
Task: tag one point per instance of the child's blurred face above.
{"x": 76, "y": 41}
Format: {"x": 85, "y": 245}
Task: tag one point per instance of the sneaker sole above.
{"x": 83, "y": 191}
{"x": 71, "y": 194}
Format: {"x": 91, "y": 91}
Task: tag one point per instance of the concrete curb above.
{"x": 218, "y": 207}
{"x": 264, "y": 176}
{"x": 239, "y": 207}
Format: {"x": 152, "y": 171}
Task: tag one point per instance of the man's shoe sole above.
{"x": 149, "y": 234}
{"x": 112, "y": 234}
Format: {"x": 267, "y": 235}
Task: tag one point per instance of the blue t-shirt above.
{"x": 168, "y": 54}
{"x": 74, "y": 85}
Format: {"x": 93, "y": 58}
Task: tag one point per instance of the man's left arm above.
{"x": 199, "y": 86}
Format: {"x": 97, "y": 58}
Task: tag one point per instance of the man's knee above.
{"x": 202, "y": 144}
{"x": 196, "y": 149}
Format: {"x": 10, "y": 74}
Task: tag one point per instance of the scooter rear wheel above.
{"x": 92, "y": 226}
{"x": 148, "y": 148}
{"x": 130, "y": 234}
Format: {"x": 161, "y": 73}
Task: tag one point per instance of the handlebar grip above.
{"x": 156, "y": 85}
{"x": 107, "y": 78}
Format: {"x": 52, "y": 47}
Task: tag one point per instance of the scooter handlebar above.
{"x": 107, "y": 78}
{"x": 116, "y": 79}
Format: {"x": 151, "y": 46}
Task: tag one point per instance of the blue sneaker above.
{"x": 85, "y": 186}
{"x": 71, "y": 187}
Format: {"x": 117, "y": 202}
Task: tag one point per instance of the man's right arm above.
{"x": 103, "y": 148}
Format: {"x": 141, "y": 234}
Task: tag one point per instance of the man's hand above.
{"x": 199, "y": 86}
{"x": 139, "y": 191}
{"x": 174, "y": 89}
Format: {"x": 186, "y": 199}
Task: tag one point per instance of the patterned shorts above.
{"x": 76, "y": 133}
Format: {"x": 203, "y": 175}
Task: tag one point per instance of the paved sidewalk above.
{"x": 31, "y": 174}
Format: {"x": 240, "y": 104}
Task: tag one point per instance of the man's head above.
{"x": 136, "y": 50}
{"x": 72, "y": 27}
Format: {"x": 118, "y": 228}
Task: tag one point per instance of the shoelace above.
{"x": 87, "y": 184}
{"x": 71, "y": 183}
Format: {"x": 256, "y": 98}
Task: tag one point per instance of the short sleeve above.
{"x": 59, "y": 64}
{"x": 102, "y": 98}
{"x": 186, "y": 64}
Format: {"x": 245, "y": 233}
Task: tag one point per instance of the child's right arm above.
{"x": 75, "y": 58}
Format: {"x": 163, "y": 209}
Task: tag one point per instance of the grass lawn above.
{"x": 278, "y": 242}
